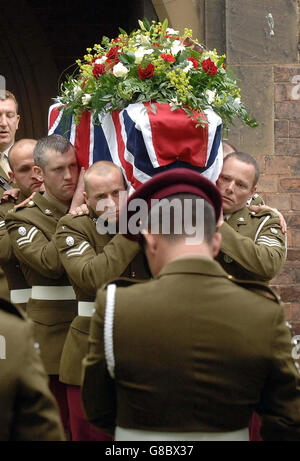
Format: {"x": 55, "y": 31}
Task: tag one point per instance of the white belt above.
{"x": 20, "y": 296}
{"x": 86, "y": 308}
{"x": 124, "y": 434}
{"x": 53, "y": 293}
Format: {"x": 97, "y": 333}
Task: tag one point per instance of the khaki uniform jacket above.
{"x": 191, "y": 351}
{"x": 4, "y": 183}
{"x": 90, "y": 260}
{"x": 28, "y": 410}
{"x": 9, "y": 263}
{"x": 31, "y": 230}
{"x": 253, "y": 245}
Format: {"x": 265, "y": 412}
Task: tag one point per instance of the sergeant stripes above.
{"x": 269, "y": 241}
{"x": 77, "y": 251}
{"x": 28, "y": 238}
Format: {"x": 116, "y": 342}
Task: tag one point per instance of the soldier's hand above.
{"x": 259, "y": 208}
{"x": 221, "y": 220}
{"x": 27, "y": 200}
{"x": 80, "y": 210}
{"x": 10, "y": 195}
{"x": 78, "y": 198}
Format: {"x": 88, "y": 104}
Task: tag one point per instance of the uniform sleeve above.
{"x": 36, "y": 413}
{"x": 87, "y": 269}
{"x": 98, "y": 388}
{"x": 31, "y": 246}
{"x": 280, "y": 402}
{"x": 264, "y": 256}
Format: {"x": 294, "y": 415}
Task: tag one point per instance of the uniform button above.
{"x": 31, "y": 203}
{"x": 227, "y": 259}
{"x": 133, "y": 274}
{"x": 47, "y": 211}
{"x": 37, "y": 347}
{"x": 241, "y": 219}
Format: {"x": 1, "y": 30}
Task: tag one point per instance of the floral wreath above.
{"x": 153, "y": 64}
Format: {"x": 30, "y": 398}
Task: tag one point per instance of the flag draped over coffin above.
{"x": 144, "y": 143}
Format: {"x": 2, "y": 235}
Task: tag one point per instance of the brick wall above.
{"x": 280, "y": 182}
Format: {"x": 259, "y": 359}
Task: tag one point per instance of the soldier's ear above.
{"x": 38, "y": 173}
{"x": 12, "y": 177}
{"x": 151, "y": 241}
{"x": 86, "y": 199}
{"x": 216, "y": 244}
{"x": 253, "y": 190}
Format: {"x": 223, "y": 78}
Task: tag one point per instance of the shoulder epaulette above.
{"x": 9, "y": 308}
{"x": 258, "y": 287}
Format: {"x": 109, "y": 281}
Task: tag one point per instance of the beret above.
{"x": 170, "y": 183}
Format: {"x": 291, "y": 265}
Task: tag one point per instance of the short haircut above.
{"x": 246, "y": 158}
{"x": 19, "y": 144}
{"x": 54, "y": 142}
{"x": 10, "y": 95}
{"x": 155, "y": 218}
{"x": 101, "y": 168}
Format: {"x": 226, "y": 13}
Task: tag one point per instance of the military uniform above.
{"x": 52, "y": 305}
{"x": 253, "y": 245}
{"x": 18, "y": 289}
{"x": 5, "y": 184}
{"x": 189, "y": 356}
{"x": 28, "y": 410}
{"x": 90, "y": 260}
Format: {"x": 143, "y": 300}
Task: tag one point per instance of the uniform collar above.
{"x": 240, "y": 217}
{"x": 49, "y": 206}
{"x": 194, "y": 265}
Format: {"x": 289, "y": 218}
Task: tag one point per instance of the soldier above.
{"x": 28, "y": 409}
{"x": 31, "y": 229}
{"x": 23, "y": 176}
{"x": 9, "y": 123}
{"x": 90, "y": 260}
{"x": 190, "y": 354}
{"x": 253, "y": 244}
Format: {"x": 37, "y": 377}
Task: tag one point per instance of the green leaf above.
{"x": 146, "y": 24}
{"x": 154, "y": 108}
{"x": 122, "y": 31}
{"x": 164, "y": 28}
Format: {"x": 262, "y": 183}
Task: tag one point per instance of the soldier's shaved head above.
{"x": 16, "y": 148}
{"x": 101, "y": 168}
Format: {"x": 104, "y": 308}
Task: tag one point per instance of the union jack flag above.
{"x": 144, "y": 140}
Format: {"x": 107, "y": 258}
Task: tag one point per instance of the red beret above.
{"x": 176, "y": 181}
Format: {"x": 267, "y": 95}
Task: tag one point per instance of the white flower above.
{"x": 171, "y": 31}
{"x": 140, "y": 52}
{"x": 176, "y": 47}
{"x": 77, "y": 91}
{"x": 210, "y": 95}
{"x": 101, "y": 60}
{"x": 86, "y": 99}
{"x": 145, "y": 40}
{"x": 188, "y": 67}
{"x": 175, "y": 102}
{"x": 120, "y": 70}
{"x": 237, "y": 101}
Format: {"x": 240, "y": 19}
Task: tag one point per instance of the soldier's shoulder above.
{"x": 260, "y": 288}
{"x": 23, "y": 208}
{"x": 70, "y": 221}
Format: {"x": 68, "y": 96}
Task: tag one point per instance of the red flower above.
{"x": 98, "y": 70}
{"x": 146, "y": 73}
{"x": 224, "y": 67}
{"x": 113, "y": 54}
{"x": 156, "y": 44}
{"x": 195, "y": 62}
{"x": 209, "y": 67}
{"x": 168, "y": 57}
